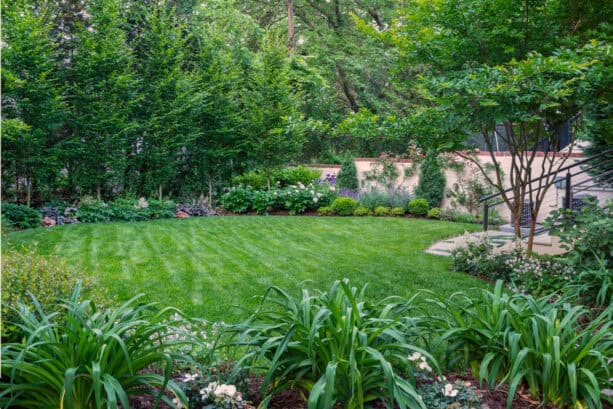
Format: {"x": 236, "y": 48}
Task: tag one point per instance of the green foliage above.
{"x": 295, "y": 176}
{"x": 348, "y": 176}
{"x": 395, "y": 198}
{"x": 418, "y": 207}
{"x": 157, "y": 209}
{"x": 94, "y": 212}
{"x": 434, "y": 213}
{"x": 344, "y": 206}
{"x": 279, "y": 177}
{"x": 299, "y": 199}
{"x": 238, "y": 199}
{"x": 256, "y": 180}
{"x": 77, "y": 355}
{"x": 544, "y": 343}
{"x": 362, "y": 211}
{"x": 453, "y": 215}
{"x": 337, "y": 345}
{"x": 532, "y": 274}
{"x": 325, "y": 211}
{"x": 20, "y": 216}
{"x": 397, "y": 211}
{"x": 431, "y": 184}
{"x": 25, "y": 273}
{"x": 262, "y": 200}
{"x": 587, "y": 234}
{"x": 382, "y": 211}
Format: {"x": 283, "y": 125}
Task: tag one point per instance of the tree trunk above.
{"x": 28, "y": 192}
{"x": 99, "y": 192}
{"x": 160, "y": 192}
{"x": 517, "y": 217}
{"x": 290, "y": 26}
{"x": 531, "y": 235}
{"x": 210, "y": 191}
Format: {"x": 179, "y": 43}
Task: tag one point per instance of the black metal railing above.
{"x": 601, "y": 176}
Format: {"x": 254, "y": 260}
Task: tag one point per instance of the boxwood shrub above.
{"x": 344, "y": 206}
{"x": 419, "y": 207}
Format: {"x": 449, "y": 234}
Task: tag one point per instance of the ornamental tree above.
{"x": 531, "y": 99}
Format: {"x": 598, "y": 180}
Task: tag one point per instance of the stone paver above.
{"x": 543, "y": 243}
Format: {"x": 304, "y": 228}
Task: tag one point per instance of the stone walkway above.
{"x": 543, "y": 243}
{"x": 444, "y": 247}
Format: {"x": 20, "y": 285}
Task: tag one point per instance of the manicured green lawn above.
{"x": 214, "y": 267}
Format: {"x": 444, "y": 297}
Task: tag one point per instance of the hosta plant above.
{"x": 559, "y": 351}
{"x": 336, "y": 346}
{"x": 77, "y": 356}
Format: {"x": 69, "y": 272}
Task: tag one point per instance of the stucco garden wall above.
{"x": 552, "y": 201}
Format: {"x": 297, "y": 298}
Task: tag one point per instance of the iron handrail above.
{"x": 565, "y": 168}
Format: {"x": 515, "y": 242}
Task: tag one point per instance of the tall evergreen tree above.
{"x": 32, "y": 109}
{"x": 101, "y": 97}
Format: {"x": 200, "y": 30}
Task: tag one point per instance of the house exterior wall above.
{"x": 553, "y": 199}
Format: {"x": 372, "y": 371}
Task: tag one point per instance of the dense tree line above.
{"x": 173, "y": 97}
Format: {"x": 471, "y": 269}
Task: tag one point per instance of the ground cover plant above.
{"x": 75, "y": 355}
{"x": 335, "y": 345}
{"x": 559, "y": 350}
{"x": 196, "y": 263}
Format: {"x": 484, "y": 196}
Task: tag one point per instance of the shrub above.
{"x": 343, "y": 206}
{"x": 381, "y": 211}
{"x": 325, "y": 211}
{"x": 78, "y": 356}
{"x": 434, "y": 213}
{"x": 94, "y": 212}
{"x": 301, "y": 198}
{"x": 397, "y": 211}
{"x": 46, "y": 278}
{"x": 362, "y": 211}
{"x": 594, "y": 285}
{"x": 19, "y": 216}
{"x": 544, "y": 343}
{"x": 256, "y": 180}
{"x": 530, "y": 274}
{"x": 337, "y": 345}
{"x": 418, "y": 207}
{"x": 295, "y": 176}
{"x": 125, "y": 210}
{"x": 587, "y": 234}
{"x": 453, "y": 215}
{"x": 348, "y": 176}
{"x": 238, "y": 199}
{"x": 157, "y": 209}
{"x": 431, "y": 184}
{"x": 261, "y": 201}
{"x": 374, "y": 198}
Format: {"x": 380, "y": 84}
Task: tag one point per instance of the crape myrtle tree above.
{"x": 531, "y": 98}
{"x": 32, "y": 108}
{"x": 501, "y": 62}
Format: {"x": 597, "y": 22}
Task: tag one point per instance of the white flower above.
{"x": 315, "y": 200}
{"x": 415, "y": 356}
{"x": 225, "y": 390}
{"x": 177, "y": 403}
{"x": 190, "y": 377}
{"x": 332, "y": 188}
{"x": 424, "y": 366}
{"x": 449, "y": 391}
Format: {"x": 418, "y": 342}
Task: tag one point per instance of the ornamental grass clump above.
{"x": 560, "y": 352}
{"x": 336, "y": 346}
{"x": 75, "y": 355}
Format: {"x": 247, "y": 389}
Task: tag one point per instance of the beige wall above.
{"x": 553, "y": 199}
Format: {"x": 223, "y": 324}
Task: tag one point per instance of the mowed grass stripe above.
{"x": 216, "y": 267}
